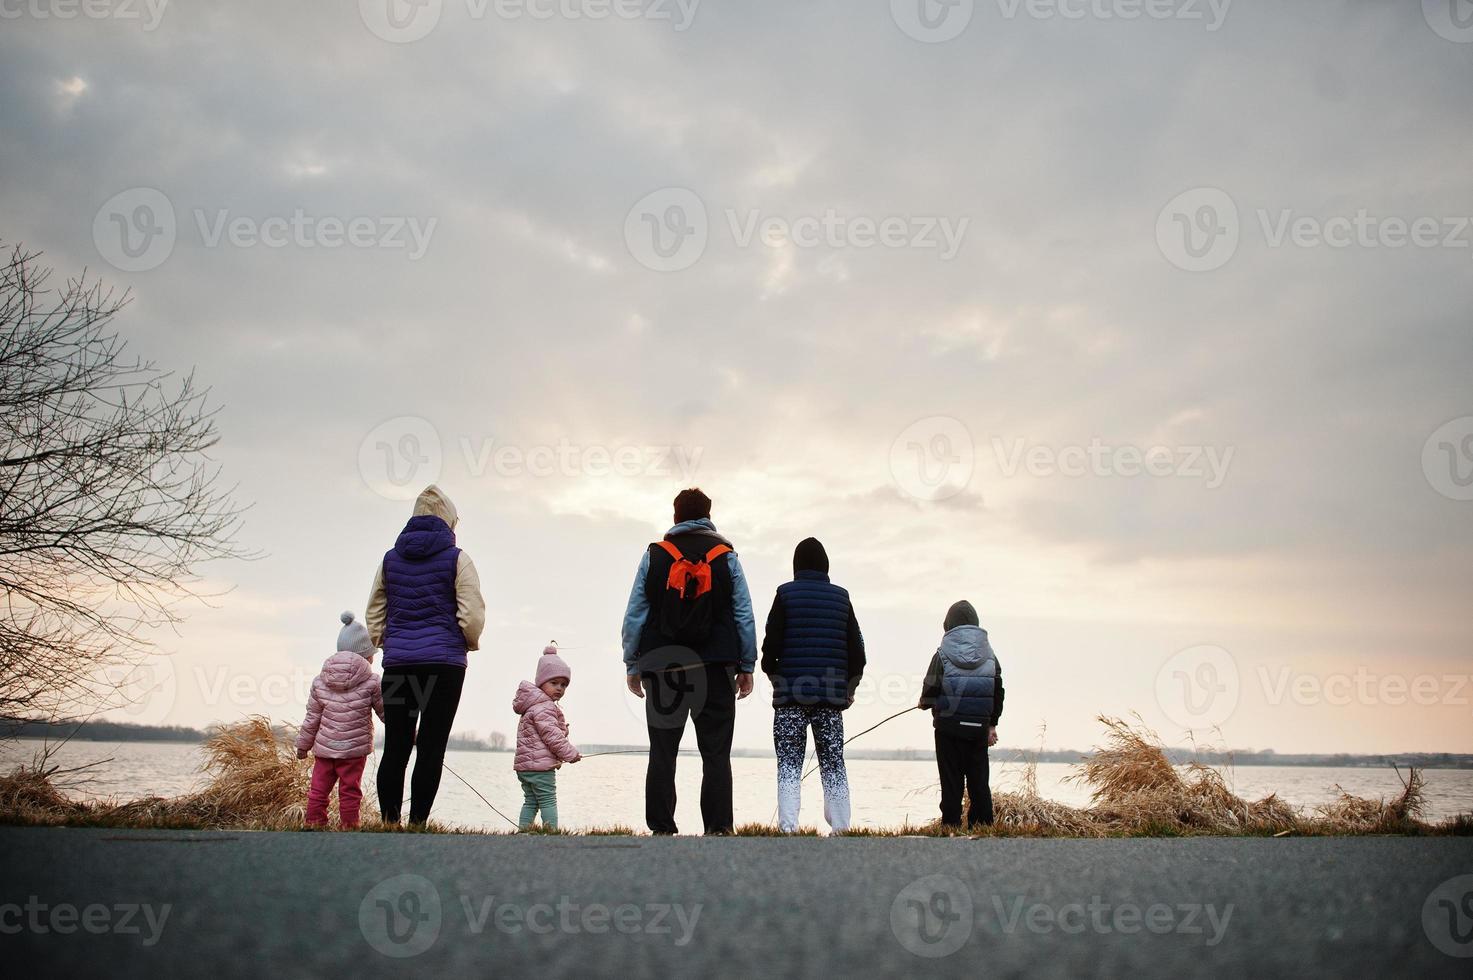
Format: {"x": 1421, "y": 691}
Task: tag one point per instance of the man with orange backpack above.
{"x": 690, "y": 646}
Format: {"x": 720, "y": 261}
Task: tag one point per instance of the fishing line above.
{"x": 865, "y": 732}
{"x": 483, "y": 799}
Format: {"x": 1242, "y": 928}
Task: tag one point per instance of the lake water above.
{"x": 610, "y": 789}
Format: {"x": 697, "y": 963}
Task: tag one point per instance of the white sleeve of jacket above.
{"x": 377, "y": 612}
{"x": 470, "y": 607}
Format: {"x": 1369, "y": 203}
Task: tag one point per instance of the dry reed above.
{"x": 257, "y": 783}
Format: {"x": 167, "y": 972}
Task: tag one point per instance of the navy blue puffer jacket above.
{"x": 809, "y": 652}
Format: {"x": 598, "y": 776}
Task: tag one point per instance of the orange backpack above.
{"x": 686, "y": 608}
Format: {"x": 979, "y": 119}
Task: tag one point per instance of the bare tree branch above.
{"x": 109, "y": 500}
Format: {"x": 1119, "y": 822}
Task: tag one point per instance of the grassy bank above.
{"x": 257, "y": 783}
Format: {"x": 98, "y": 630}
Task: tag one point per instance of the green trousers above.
{"x": 539, "y": 792}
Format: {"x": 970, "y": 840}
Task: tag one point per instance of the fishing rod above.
{"x": 865, "y": 732}
{"x": 847, "y": 741}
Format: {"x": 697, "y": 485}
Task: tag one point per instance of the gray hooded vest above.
{"x": 968, "y": 678}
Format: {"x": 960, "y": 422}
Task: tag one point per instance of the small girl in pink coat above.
{"x": 542, "y": 738}
{"x": 339, "y": 725}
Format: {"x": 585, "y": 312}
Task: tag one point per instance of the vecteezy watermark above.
{"x": 136, "y": 230}
{"x": 405, "y": 21}
{"x": 1447, "y": 459}
{"x": 668, "y": 230}
{"x": 400, "y": 456}
{"x": 934, "y": 917}
{"x": 935, "y": 21}
{"x": 1199, "y": 687}
{"x": 571, "y": 459}
{"x": 1207, "y": 463}
{"x": 1363, "y": 686}
{"x": 1447, "y": 916}
{"x": 40, "y": 918}
{"x": 144, "y": 692}
{"x": 403, "y": 916}
{"x": 933, "y": 458}
{"x": 148, "y": 12}
{"x": 1106, "y": 918}
{"x": 1451, "y": 19}
{"x": 1199, "y": 230}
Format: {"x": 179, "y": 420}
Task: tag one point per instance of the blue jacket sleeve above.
{"x": 741, "y": 607}
{"x": 635, "y": 615}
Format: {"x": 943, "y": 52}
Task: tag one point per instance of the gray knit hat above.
{"x": 354, "y": 636}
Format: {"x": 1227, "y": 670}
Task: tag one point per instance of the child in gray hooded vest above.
{"x": 963, "y": 689}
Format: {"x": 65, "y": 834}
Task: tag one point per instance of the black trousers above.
{"x": 420, "y": 702}
{"x": 961, "y": 762}
{"x": 706, "y": 695}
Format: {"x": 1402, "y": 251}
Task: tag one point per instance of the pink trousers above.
{"x": 348, "y": 774}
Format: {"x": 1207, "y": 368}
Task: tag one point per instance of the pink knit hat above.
{"x": 550, "y": 665}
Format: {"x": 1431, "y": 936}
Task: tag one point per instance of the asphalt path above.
{"x": 85, "y": 902}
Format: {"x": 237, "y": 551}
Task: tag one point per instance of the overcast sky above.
{"x": 1151, "y": 336}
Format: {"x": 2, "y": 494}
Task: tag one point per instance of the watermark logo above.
{"x": 1210, "y": 464}
{"x": 401, "y": 916}
{"x": 1199, "y": 687}
{"x": 933, "y": 458}
{"x": 667, "y": 229}
{"x": 143, "y": 693}
{"x": 1447, "y": 459}
{"x": 933, "y": 916}
{"x": 1199, "y": 230}
{"x": 135, "y": 229}
{"x": 41, "y": 918}
{"x": 1362, "y": 686}
{"x": 1451, "y": 19}
{"x": 676, "y": 686}
{"x": 1447, "y": 916}
{"x": 1103, "y": 918}
{"x": 149, "y": 12}
{"x": 833, "y": 230}
{"x": 932, "y": 21}
{"x": 399, "y": 457}
{"x": 400, "y": 21}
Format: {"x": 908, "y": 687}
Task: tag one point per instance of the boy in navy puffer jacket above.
{"x": 813, "y": 654}
{"x": 963, "y": 689}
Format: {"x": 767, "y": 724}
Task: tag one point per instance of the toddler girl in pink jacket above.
{"x": 339, "y": 724}
{"x": 542, "y": 738}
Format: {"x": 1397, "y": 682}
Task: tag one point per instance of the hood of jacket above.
{"x": 701, "y": 526}
{"x": 432, "y": 528}
{"x": 528, "y": 696}
{"x": 966, "y": 647}
{"x": 345, "y": 670}
{"x": 423, "y": 536}
{"x": 433, "y": 502}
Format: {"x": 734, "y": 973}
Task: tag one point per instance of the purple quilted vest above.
{"x": 419, "y": 583}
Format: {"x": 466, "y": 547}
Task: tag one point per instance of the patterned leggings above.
{"x": 790, "y": 725}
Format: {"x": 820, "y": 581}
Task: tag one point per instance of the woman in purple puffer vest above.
{"x": 426, "y": 611}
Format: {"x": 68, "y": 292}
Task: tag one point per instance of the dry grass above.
{"x": 257, "y": 783}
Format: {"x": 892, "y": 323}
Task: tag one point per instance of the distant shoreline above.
{"x": 106, "y": 731}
